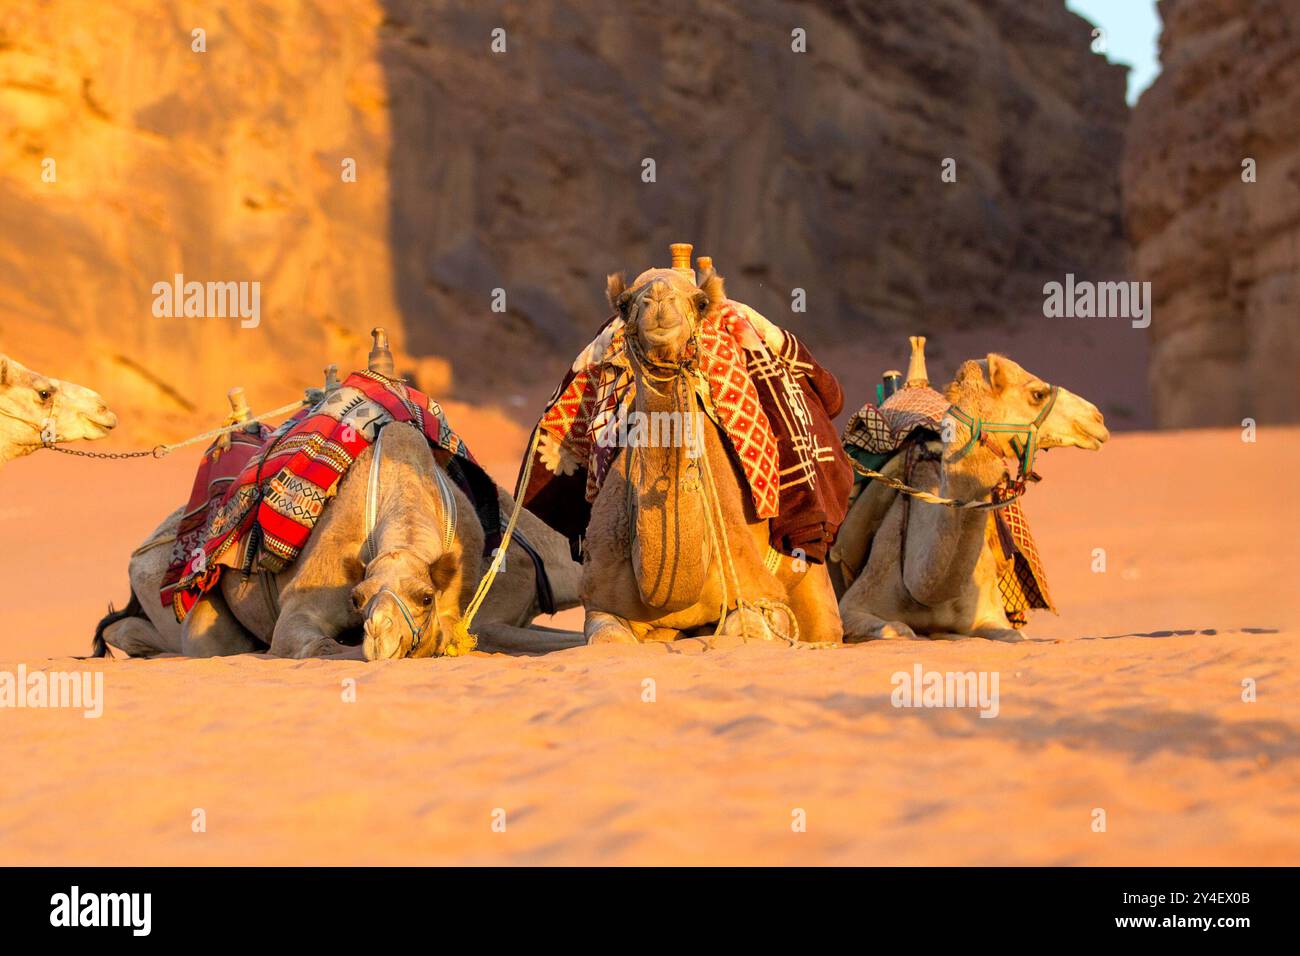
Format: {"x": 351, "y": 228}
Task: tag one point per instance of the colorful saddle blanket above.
{"x": 254, "y": 506}
{"x": 769, "y": 397}
{"x": 874, "y": 434}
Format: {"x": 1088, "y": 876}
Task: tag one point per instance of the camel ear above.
{"x": 999, "y": 373}
{"x": 443, "y": 571}
{"x": 4, "y": 371}
{"x": 713, "y": 287}
{"x": 615, "y": 286}
{"x": 364, "y": 590}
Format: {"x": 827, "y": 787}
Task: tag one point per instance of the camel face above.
{"x": 1020, "y": 396}
{"x": 662, "y": 311}
{"x": 54, "y": 410}
{"x": 400, "y": 595}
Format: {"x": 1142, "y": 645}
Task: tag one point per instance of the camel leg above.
{"x": 212, "y": 630}
{"x": 136, "y": 637}
{"x": 503, "y": 638}
{"x": 603, "y": 628}
{"x": 812, "y": 599}
{"x": 861, "y": 625}
{"x": 299, "y": 633}
{"x": 1008, "y": 634}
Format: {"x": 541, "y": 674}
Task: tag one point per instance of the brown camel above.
{"x": 942, "y": 581}
{"x": 674, "y": 545}
{"x": 36, "y": 411}
{"x": 403, "y": 593}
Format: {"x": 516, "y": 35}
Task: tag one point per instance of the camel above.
{"x": 657, "y": 565}
{"x": 942, "y": 581}
{"x": 36, "y": 411}
{"x": 403, "y": 592}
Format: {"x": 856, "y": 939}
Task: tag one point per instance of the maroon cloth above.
{"x": 816, "y": 475}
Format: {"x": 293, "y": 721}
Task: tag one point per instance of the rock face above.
{"x": 1222, "y": 253}
{"x": 525, "y": 171}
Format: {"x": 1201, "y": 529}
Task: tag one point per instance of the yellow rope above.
{"x": 932, "y": 498}
{"x": 463, "y": 638}
{"x": 161, "y": 450}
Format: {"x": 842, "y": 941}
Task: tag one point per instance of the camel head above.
{"x": 998, "y": 390}
{"x": 662, "y": 309}
{"x": 403, "y": 594}
{"x": 36, "y": 410}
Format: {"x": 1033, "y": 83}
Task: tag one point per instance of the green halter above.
{"x": 1025, "y": 452}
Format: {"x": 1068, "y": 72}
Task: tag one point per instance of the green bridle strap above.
{"x": 1025, "y": 452}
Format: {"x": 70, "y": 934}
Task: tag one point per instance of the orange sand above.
{"x": 1108, "y": 707}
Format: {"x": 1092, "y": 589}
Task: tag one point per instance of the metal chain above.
{"x": 161, "y": 451}
{"x": 153, "y": 452}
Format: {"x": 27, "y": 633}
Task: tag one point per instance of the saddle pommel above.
{"x": 681, "y": 253}
{"x": 704, "y": 264}
{"x": 917, "y": 376}
{"x": 239, "y": 410}
{"x": 331, "y": 378}
{"x": 381, "y": 359}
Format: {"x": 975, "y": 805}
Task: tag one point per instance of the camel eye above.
{"x": 45, "y": 394}
{"x": 1039, "y": 394}
{"x": 427, "y": 600}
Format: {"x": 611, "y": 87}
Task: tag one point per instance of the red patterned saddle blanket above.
{"x": 910, "y": 416}
{"x": 774, "y": 407}
{"x": 254, "y": 506}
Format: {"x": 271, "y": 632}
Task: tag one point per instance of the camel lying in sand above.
{"x": 942, "y": 582}
{"x": 404, "y": 592}
{"x": 36, "y": 411}
{"x": 657, "y": 565}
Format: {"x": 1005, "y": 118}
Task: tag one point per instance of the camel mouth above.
{"x": 102, "y": 423}
{"x": 1080, "y": 437}
{"x": 381, "y": 648}
{"x": 661, "y": 342}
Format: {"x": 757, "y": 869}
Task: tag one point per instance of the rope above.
{"x": 932, "y": 498}
{"x": 462, "y": 636}
{"x": 161, "y": 451}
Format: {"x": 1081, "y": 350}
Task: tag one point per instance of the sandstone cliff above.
{"x": 1222, "y": 253}
{"x": 523, "y": 171}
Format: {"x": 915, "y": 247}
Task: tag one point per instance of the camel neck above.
{"x": 662, "y": 461}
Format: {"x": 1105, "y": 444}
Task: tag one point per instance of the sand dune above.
{"x": 1130, "y": 701}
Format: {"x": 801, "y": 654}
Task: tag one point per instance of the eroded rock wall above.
{"x": 1222, "y": 253}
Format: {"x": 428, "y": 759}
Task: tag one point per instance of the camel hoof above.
{"x": 751, "y": 624}
{"x": 612, "y": 635}
{"x": 884, "y": 631}
{"x": 606, "y": 629}
{"x": 1006, "y": 635}
{"x": 897, "y": 631}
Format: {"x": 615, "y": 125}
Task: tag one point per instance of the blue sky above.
{"x": 1130, "y": 30}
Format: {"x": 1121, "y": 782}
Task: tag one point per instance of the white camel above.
{"x": 36, "y": 411}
